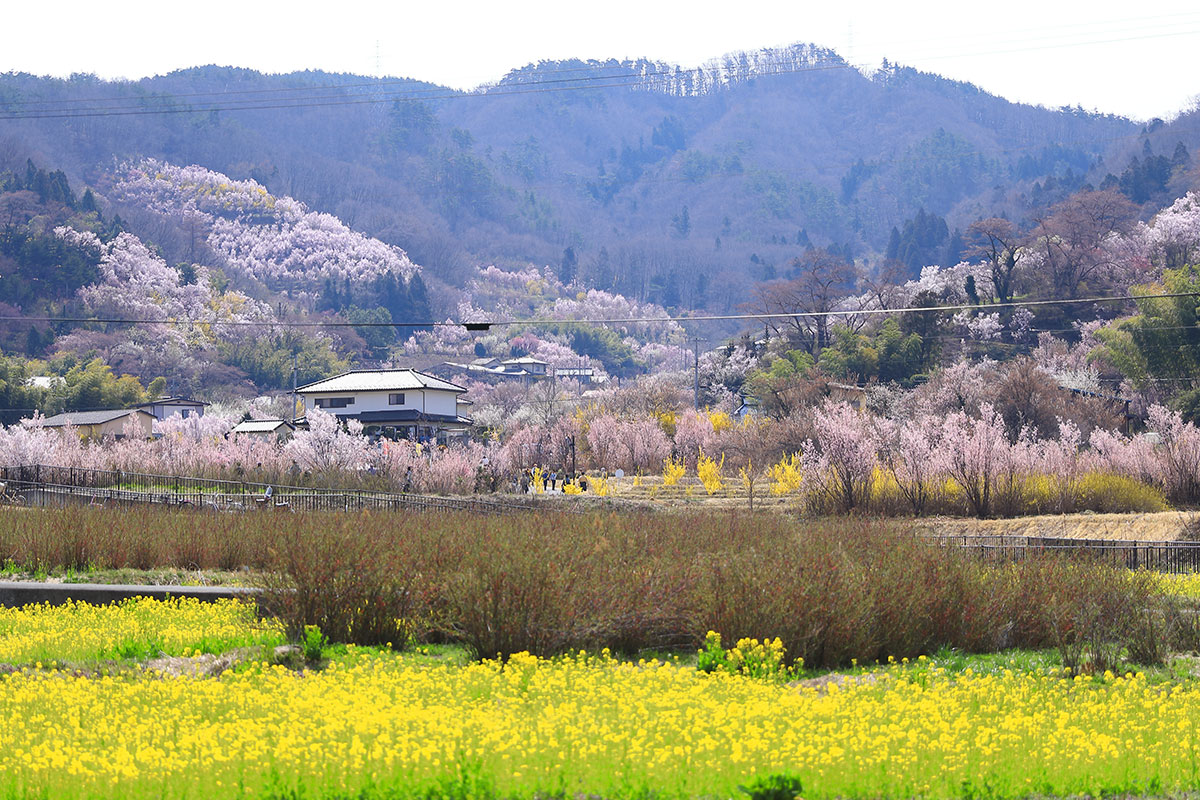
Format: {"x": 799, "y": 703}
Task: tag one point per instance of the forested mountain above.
{"x": 217, "y": 265}
{"x": 635, "y": 177}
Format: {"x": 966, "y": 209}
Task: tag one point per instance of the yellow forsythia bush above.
{"x": 786, "y": 476}
{"x": 673, "y": 470}
{"x": 709, "y": 472}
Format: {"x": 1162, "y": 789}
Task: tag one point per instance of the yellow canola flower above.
{"x": 1185, "y": 585}
{"x": 136, "y": 628}
{"x": 375, "y": 725}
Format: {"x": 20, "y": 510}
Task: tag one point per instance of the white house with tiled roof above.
{"x": 403, "y": 402}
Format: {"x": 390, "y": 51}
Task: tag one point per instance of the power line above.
{"x": 622, "y": 79}
{"x": 646, "y": 78}
{"x": 1150, "y": 24}
{"x": 483, "y": 325}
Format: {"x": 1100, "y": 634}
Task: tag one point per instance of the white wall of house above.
{"x": 164, "y": 410}
{"x": 426, "y": 401}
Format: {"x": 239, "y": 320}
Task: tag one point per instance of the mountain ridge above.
{"x": 644, "y": 187}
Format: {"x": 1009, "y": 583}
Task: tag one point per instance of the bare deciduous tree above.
{"x": 1070, "y": 241}
{"x": 823, "y": 281}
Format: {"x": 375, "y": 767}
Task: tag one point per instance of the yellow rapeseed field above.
{"x": 137, "y": 628}
{"x": 377, "y": 724}
{"x": 380, "y": 724}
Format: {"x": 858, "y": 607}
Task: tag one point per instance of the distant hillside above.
{"x": 638, "y": 177}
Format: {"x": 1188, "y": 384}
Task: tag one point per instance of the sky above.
{"x": 1100, "y": 55}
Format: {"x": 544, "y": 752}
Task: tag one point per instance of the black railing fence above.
{"x": 42, "y": 485}
{"x": 1170, "y": 557}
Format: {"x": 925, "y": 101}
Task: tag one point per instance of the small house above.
{"x": 99, "y": 424}
{"x": 278, "y": 429}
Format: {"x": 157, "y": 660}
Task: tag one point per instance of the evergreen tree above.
{"x": 568, "y": 267}
{"x": 893, "y": 247}
{"x": 87, "y": 204}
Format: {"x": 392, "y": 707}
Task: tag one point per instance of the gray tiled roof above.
{"x": 173, "y": 400}
{"x": 78, "y": 418}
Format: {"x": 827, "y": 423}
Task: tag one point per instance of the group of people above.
{"x": 552, "y": 479}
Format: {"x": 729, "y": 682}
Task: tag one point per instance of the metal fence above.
{"x": 1169, "y": 557}
{"x": 42, "y": 485}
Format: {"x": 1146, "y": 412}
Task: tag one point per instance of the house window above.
{"x": 334, "y": 402}
{"x": 185, "y": 413}
{"x": 396, "y": 399}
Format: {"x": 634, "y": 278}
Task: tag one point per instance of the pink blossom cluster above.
{"x": 167, "y": 189}
{"x": 726, "y": 368}
{"x": 273, "y": 240}
{"x": 842, "y": 466}
{"x": 137, "y": 284}
{"x": 554, "y": 445}
{"x": 693, "y": 434}
{"x": 1173, "y": 237}
{"x": 951, "y": 282}
{"x": 659, "y": 357}
{"x": 848, "y": 450}
{"x": 446, "y": 339}
{"x": 596, "y": 304}
{"x": 629, "y": 444}
{"x": 492, "y": 280}
{"x": 300, "y": 256}
{"x": 974, "y": 452}
{"x": 979, "y": 327}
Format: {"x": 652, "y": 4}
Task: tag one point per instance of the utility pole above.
{"x": 294, "y": 368}
{"x": 696, "y": 370}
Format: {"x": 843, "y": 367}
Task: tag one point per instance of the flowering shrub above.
{"x": 326, "y": 446}
{"x": 949, "y": 462}
{"x": 911, "y": 453}
{"x": 786, "y": 475}
{"x": 709, "y": 472}
{"x": 672, "y": 471}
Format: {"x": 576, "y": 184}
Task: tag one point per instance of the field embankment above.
{"x": 1160, "y": 526}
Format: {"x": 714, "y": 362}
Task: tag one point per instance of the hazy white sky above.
{"x": 1103, "y": 55}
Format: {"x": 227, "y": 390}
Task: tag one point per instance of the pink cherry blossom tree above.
{"x": 839, "y": 466}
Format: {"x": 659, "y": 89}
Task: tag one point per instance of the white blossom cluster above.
{"x": 276, "y": 241}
